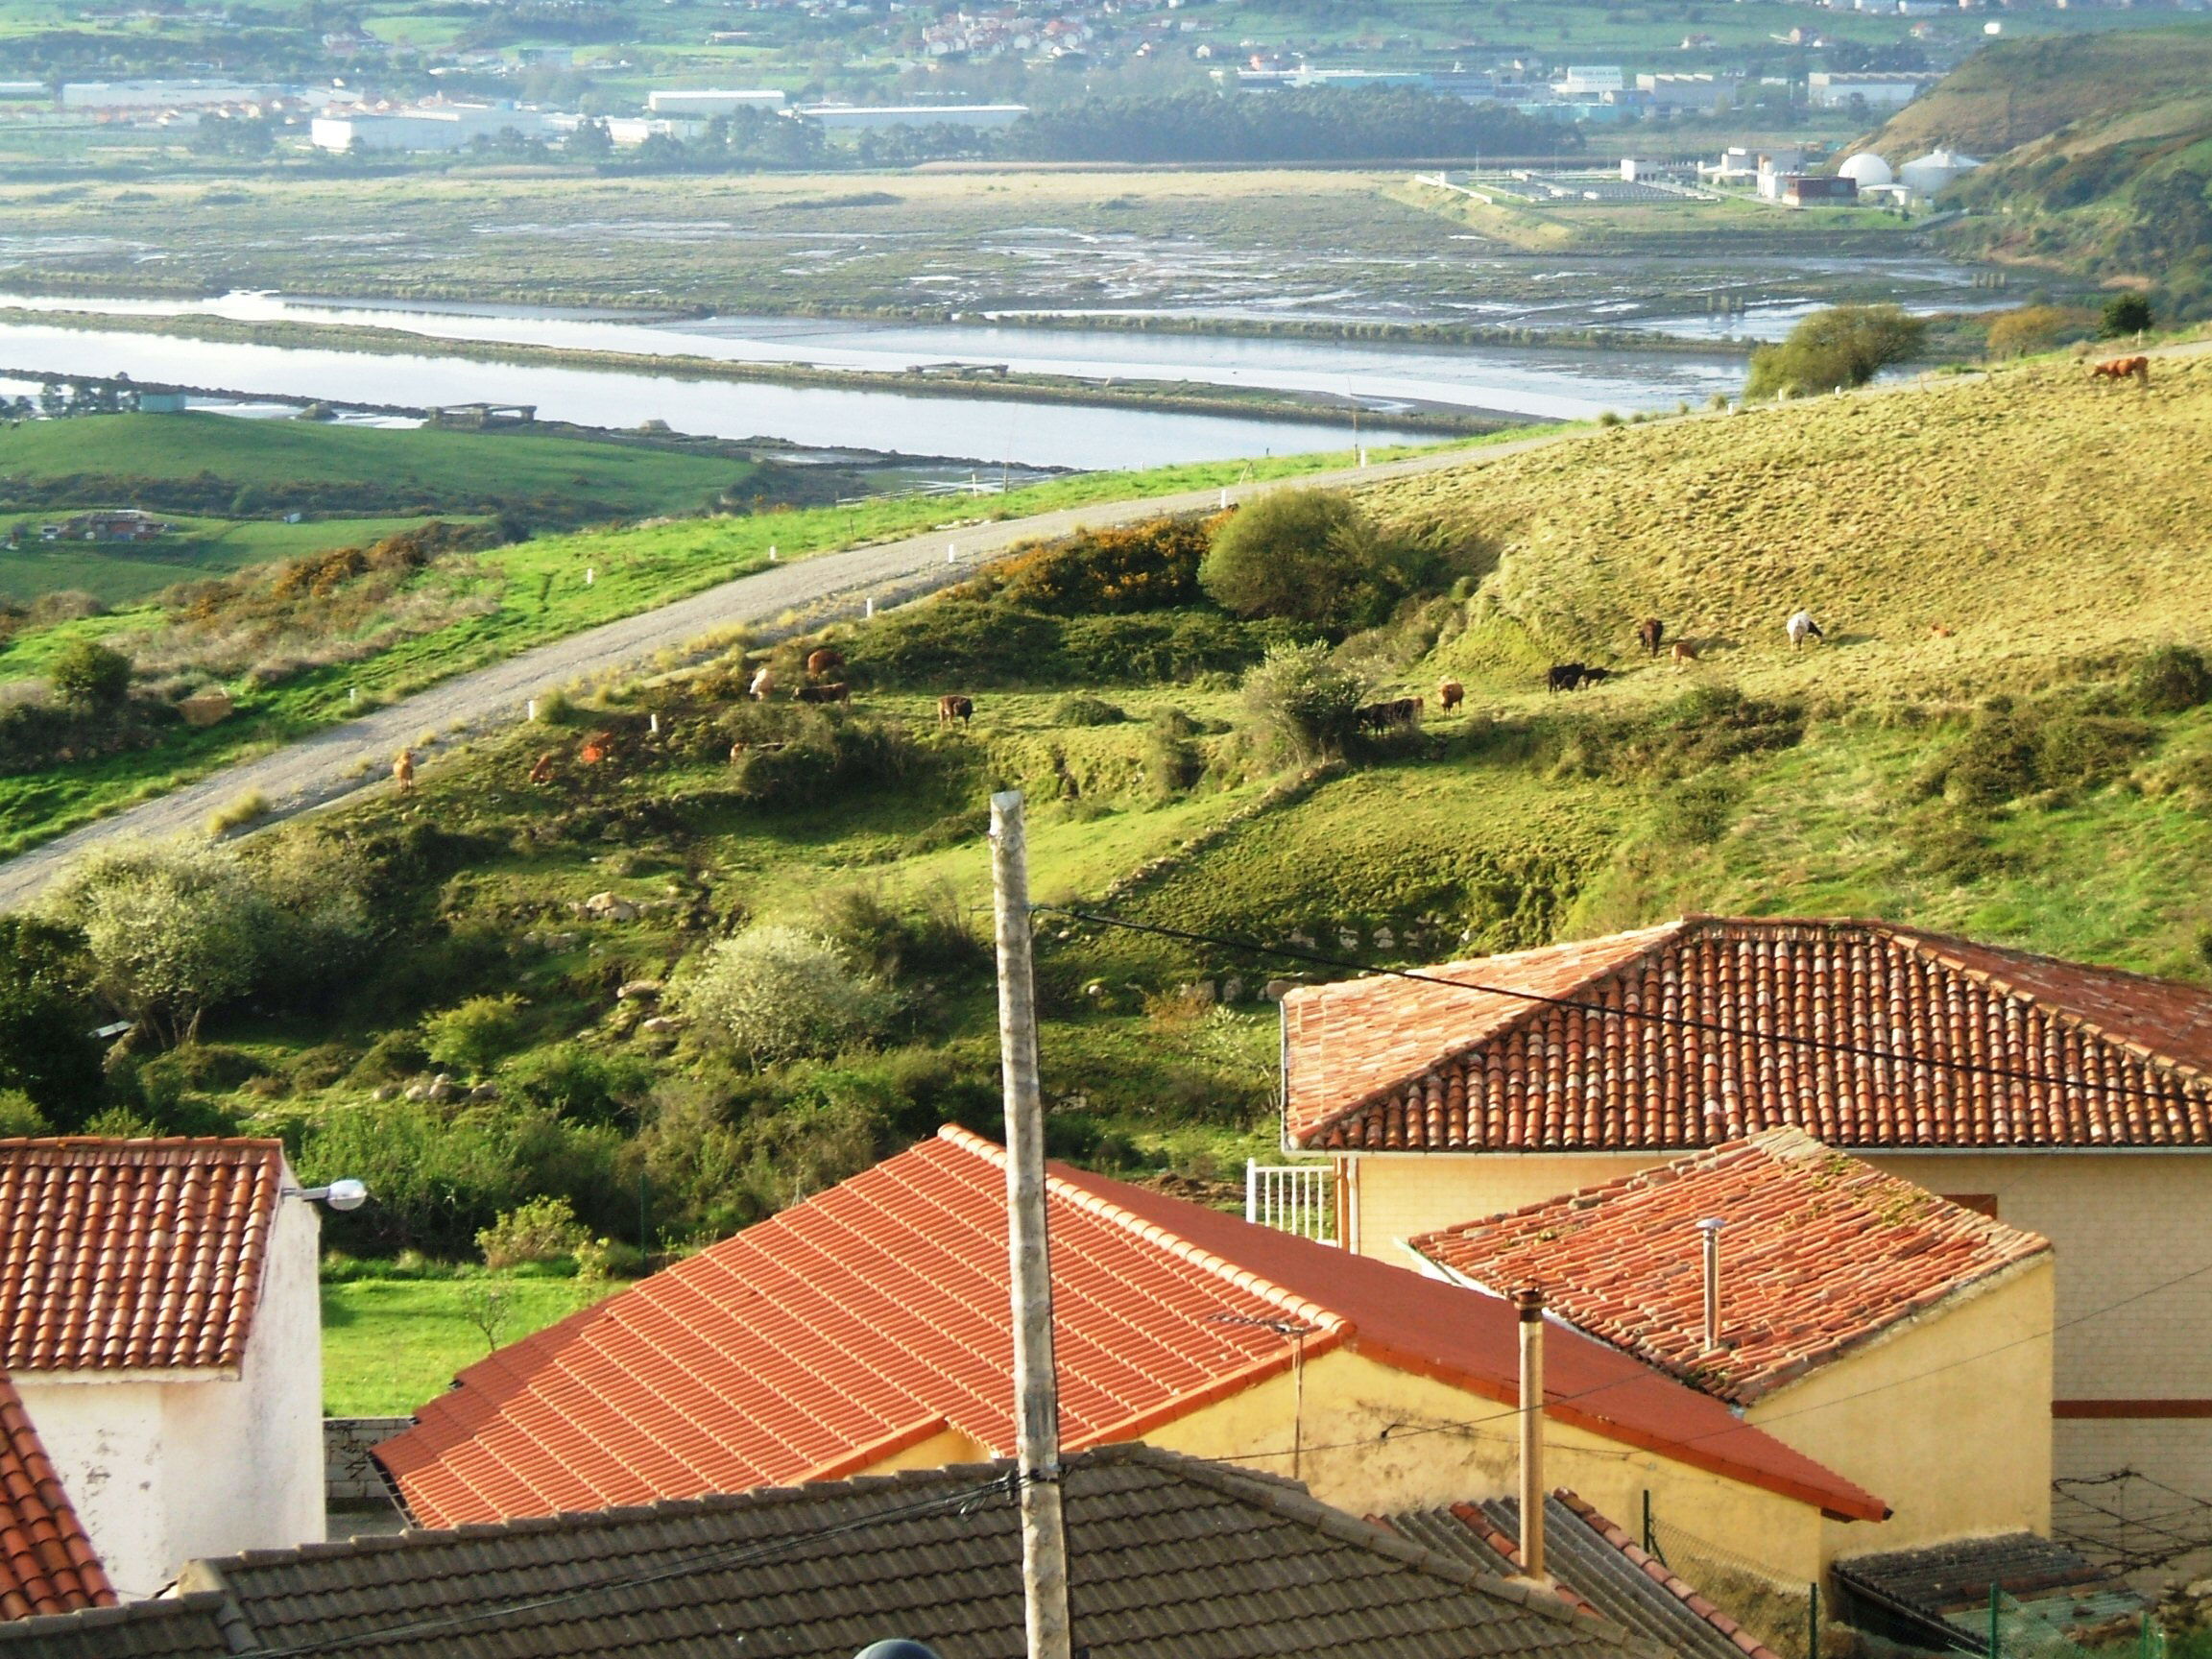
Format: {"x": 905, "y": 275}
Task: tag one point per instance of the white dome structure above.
{"x": 1926, "y": 175}
{"x": 1867, "y": 170}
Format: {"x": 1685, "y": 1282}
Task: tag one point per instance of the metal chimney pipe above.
{"x": 1711, "y": 1227}
{"x": 1529, "y": 1304}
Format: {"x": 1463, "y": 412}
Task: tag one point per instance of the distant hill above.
{"x": 2100, "y": 156}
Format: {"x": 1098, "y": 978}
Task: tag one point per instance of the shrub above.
{"x": 19, "y": 1114}
{"x": 782, "y": 994}
{"x": 242, "y": 809}
{"x": 1302, "y": 703}
{"x": 1844, "y": 346}
{"x": 2124, "y": 314}
{"x": 475, "y": 1037}
{"x": 1312, "y": 556}
{"x": 1150, "y": 567}
{"x": 889, "y": 944}
{"x": 1173, "y": 761}
{"x": 540, "y": 1230}
{"x": 173, "y": 931}
{"x": 47, "y": 1049}
{"x": 88, "y": 675}
{"x": 2168, "y": 680}
{"x": 799, "y": 755}
{"x": 2032, "y": 328}
{"x": 571, "y": 1081}
{"x": 1086, "y": 710}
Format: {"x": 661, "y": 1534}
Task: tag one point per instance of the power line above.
{"x": 1674, "y": 1022}
{"x": 728, "y": 1557}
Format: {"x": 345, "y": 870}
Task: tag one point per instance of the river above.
{"x": 1537, "y": 382}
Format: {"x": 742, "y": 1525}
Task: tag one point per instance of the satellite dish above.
{"x": 897, "y": 1649}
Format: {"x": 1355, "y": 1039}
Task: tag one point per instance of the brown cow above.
{"x": 542, "y": 772}
{"x": 1938, "y": 630}
{"x": 2123, "y": 368}
{"x": 836, "y": 691}
{"x": 1650, "y": 633}
{"x": 403, "y": 771}
{"x": 954, "y": 706}
{"x": 598, "y": 747}
{"x": 1684, "y": 654}
{"x": 1450, "y": 694}
{"x": 826, "y": 661}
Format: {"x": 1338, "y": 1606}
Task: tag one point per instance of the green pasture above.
{"x": 125, "y": 572}
{"x": 390, "y": 1344}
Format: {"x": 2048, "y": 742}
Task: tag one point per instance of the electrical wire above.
{"x": 1673, "y": 1021}
{"x": 721, "y": 1559}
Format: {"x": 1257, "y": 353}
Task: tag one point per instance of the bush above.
{"x": 1173, "y": 761}
{"x": 1844, "y": 346}
{"x": 2170, "y": 679}
{"x": 2124, "y": 314}
{"x": 88, "y": 675}
{"x": 47, "y": 1050}
{"x": 1312, "y": 556}
{"x": 1086, "y": 710}
{"x": 1151, "y": 566}
{"x": 577, "y": 1083}
{"x": 782, "y": 994}
{"x": 541, "y": 1230}
{"x": 1303, "y": 703}
{"x": 19, "y": 1114}
{"x": 476, "y": 1036}
{"x": 797, "y": 755}
{"x": 173, "y": 931}
{"x": 2033, "y": 329}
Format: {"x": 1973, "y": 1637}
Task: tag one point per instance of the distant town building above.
{"x": 441, "y": 127}
{"x": 1589, "y": 79}
{"x": 1927, "y": 175}
{"x": 1867, "y": 170}
{"x": 120, "y": 524}
{"x": 148, "y": 96}
{"x": 1824, "y": 90}
{"x": 1702, "y": 93}
{"x": 1810, "y": 191}
{"x": 708, "y": 101}
{"x": 851, "y": 117}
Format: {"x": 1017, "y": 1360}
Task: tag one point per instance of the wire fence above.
{"x": 1783, "y": 1614}
{"x": 2085, "y": 1629}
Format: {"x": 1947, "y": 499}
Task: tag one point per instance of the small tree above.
{"x": 1302, "y": 703}
{"x": 47, "y": 1049}
{"x": 2124, "y": 314}
{"x": 477, "y": 1035}
{"x": 542, "y": 1230}
{"x": 1844, "y": 346}
{"x": 172, "y": 931}
{"x": 2031, "y": 329}
{"x": 90, "y": 676}
{"x": 1312, "y": 556}
{"x": 784, "y": 994}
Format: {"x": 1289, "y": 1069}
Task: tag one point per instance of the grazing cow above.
{"x": 954, "y": 706}
{"x": 1391, "y": 711}
{"x": 1684, "y": 654}
{"x": 823, "y": 662}
{"x": 836, "y": 691}
{"x": 1450, "y": 694}
{"x": 1595, "y": 676}
{"x": 737, "y": 751}
{"x": 1801, "y": 627}
{"x": 542, "y": 772}
{"x": 1938, "y": 632}
{"x": 403, "y": 771}
{"x": 598, "y": 747}
{"x": 1564, "y": 677}
{"x": 1650, "y": 633}
{"x": 763, "y": 683}
{"x": 2123, "y": 368}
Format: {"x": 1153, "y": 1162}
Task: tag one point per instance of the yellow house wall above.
{"x": 2122, "y": 1224}
{"x": 1348, "y": 1401}
{"x": 944, "y": 1447}
{"x": 1948, "y": 1418}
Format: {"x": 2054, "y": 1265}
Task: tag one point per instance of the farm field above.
{"x": 389, "y": 1344}
{"x": 122, "y": 573}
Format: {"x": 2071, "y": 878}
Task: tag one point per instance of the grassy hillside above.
{"x": 1997, "y": 735}
{"x": 2099, "y": 152}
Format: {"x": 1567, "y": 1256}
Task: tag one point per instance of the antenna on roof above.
{"x": 1036, "y": 1387}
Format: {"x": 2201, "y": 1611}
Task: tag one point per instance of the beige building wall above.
{"x": 1946, "y": 1415}
{"x": 2123, "y": 1225}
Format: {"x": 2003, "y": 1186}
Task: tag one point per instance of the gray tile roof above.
{"x": 1594, "y": 1559}
{"x": 1171, "y": 1558}
{"x": 188, "y": 1628}
{"x": 1959, "y": 1573}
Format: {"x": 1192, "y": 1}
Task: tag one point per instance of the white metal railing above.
{"x": 1299, "y": 1198}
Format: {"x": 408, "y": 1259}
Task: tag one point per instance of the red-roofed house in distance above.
{"x": 2070, "y": 1100}
{"x": 160, "y": 1319}
{"x": 1903, "y": 1341}
{"x": 866, "y": 1331}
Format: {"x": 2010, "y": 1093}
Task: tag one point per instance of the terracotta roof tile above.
{"x": 126, "y": 1255}
{"x": 1819, "y": 1252}
{"x": 47, "y": 1564}
{"x": 877, "y": 1309}
{"x": 2096, "y": 1057}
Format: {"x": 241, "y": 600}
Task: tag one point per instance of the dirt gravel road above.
{"x": 358, "y": 754}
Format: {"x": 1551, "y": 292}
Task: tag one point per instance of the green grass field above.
{"x": 389, "y": 1344}
{"x": 123, "y": 573}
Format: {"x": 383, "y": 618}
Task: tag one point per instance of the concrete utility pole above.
{"x": 1036, "y": 1385}
{"x": 1529, "y": 1304}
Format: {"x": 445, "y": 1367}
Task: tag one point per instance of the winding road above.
{"x": 335, "y": 762}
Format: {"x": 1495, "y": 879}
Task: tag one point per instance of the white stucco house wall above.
{"x": 160, "y": 1315}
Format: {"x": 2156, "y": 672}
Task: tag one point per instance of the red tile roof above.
{"x": 129, "y": 1255}
{"x": 1819, "y": 1252}
{"x": 48, "y": 1564}
{"x": 1662, "y": 1047}
{"x": 874, "y": 1315}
